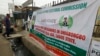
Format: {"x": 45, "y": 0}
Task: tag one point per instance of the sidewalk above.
{"x": 5, "y": 47}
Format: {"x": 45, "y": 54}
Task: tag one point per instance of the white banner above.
{"x": 68, "y": 25}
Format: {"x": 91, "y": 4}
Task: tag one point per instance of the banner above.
{"x": 95, "y": 48}
{"x": 66, "y": 30}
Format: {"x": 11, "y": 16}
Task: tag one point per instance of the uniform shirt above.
{"x": 7, "y": 22}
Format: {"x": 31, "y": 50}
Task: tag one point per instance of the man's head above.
{"x": 7, "y": 15}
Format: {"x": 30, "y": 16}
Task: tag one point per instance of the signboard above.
{"x": 11, "y": 6}
{"x": 11, "y": 9}
{"x": 66, "y": 30}
{"x": 95, "y": 48}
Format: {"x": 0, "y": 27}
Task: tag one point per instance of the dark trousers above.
{"x": 7, "y": 32}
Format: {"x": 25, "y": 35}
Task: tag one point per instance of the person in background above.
{"x": 7, "y": 25}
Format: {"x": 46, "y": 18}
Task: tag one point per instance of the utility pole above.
{"x": 32, "y": 5}
{"x": 13, "y": 12}
{"x": 13, "y": 6}
{"x": 8, "y": 8}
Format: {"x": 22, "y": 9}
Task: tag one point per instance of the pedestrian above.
{"x": 7, "y": 25}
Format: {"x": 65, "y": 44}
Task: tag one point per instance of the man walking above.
{"x": 7, "y": 25}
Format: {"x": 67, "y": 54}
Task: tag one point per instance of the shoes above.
{"x": 8, "y": 36}
{"x": 3, "y": 35}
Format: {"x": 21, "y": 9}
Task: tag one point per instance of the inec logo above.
{"x": 66, "y": 21}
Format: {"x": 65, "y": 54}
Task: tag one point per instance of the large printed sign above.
{"x": 95, "y": 48}
{"x": 66, "y": 30}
